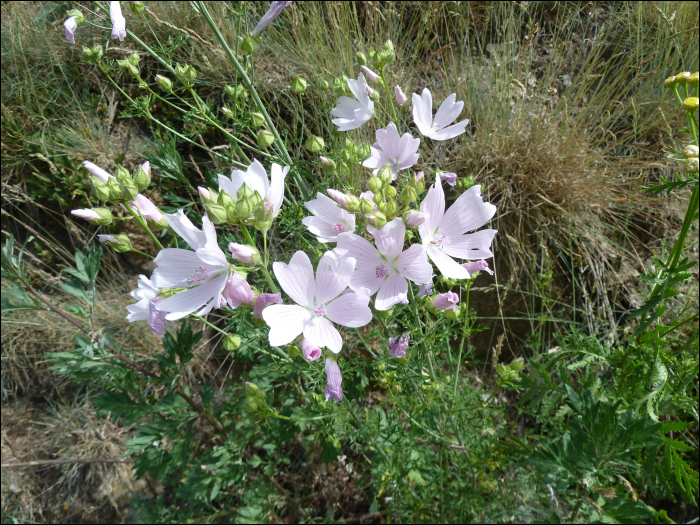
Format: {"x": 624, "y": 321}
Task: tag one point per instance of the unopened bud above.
{"x": 323, "y": 85}
{"x": 298, "y": 85}
{"x": 120, "y": 243}
{"x": 134, "y": 59}
{"x": 251, "y": 405}
{"x": 385, "y": 175}
{"x": 244, "y": 253}
{"x": 353, "y": 203}
{"x": 399, "y": 95}
{"x": 690, "y": 104}
{"x": 389, "y": 192}
{"x": 250, "y": 44}
{"x": 364, "y": 151}
{"x": 129, "y": 190}
{"x": 130, "y": 68}
{"x": 115, "y": 190}
{"x": 244, "y": 209}
{"x": 361, "y": 58}
{"x": 366, "y": 206}
{"x": 164, "y": 83}
{"x": 413, "y": 218}
{"x": 251, "y": 389}
{"x": 374, "y": 184}
{"x": 378, "y": 219}
{"x": 682, "y": 78}
{"x": 142, "y": 176}
{"x": 225, "y": 200}
{"x": 216, "y": 213}
{"x": 232, "y": 342}
{"x": 314, "y": 144}
{"x": 265, "y": 138}
{"x": 409, "y": 194}
{"x": 100, "y": 189}
{"x": 257, "y": 119}
{"x": 137, "y": 7}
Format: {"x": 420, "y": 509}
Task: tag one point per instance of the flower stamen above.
{"x": 198, "y": 277}
{"x": 319, "y": 309}
{"x": 381, "y": 271}
{"x": 441, "y": 240}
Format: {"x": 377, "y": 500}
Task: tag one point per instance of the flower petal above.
{"x": 475, "y": 245}
{"x": 449, "y": 132}
{"x": 297, "y": 278}
{"x": 423, "y": 111}
{"x": 332, "y": 276}
{"x": 393, "y": 291}
{"x": 390, "y": 238}
{"x": 413, "y": 264}
{"x": 446, "y": 264}
{"x": 350, "y": 309}
{"x": 434, "y": 208}
{"x": 467, "y": 213}
{"x": 175, "y": 266}
{"x": 285, "y": 322}
{"x": 321, "y": 332}
{"x": 182, "y": 225}
{"x": 277, "y": 176}
{"x": 448, "y": 112}
{"x": 184, "y": 303}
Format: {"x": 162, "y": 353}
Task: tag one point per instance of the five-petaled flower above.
{"x": 329, "y": 219}
{"x": 255, "y": 178}
{"x": 353, "y": 113}
{"x": 399, "y": 153}
{"x": 439, "y": 128}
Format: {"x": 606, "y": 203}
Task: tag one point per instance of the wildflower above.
{"x": 144, "y": 310}
{"x": 371, "y": 75}
{"x": 334, "y": 390}
{"x": 477, "y": 266}
{"x": 443, "y": 233}
{"x": 399, "y": 345}
{"x": 339, "y": 197}
{"x": 264, "y": 300}
{"x": 244, "y": 253}
{"x": 450, "y": 178}
{"x": 318, "y": 301}
{"x": 446, "y": 301}
{"x": 70, "y": 26}
{"x": 329, "y": 219}
{"x": 97, "y": 171}
{"x": 101, "y": 216}
{"x": 385, "y": 269}
{"x": 149, "y": 210}
{"x": 438, "y": 129}
{"x": 310, "y": 351}
{"x": 118, "y": 21}
{"x": 399, "y": 95}
{"x": 398, "y": 153}
{"x": 237, "y": 291}
{"x": 203, "y": 271}
{"x": 255, "y": 178}
{"x": 275, "y": 10}
{"x": 353, "y": 113}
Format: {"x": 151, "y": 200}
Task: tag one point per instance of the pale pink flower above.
{"x": 244, "y": 253}
{"x": 400, "y": 97}
{"x": 339, "y": 197}
{"x": 203, "y": 271}
{"x": 478, "y": 266}
{"x": 97, "y": 171}
{"x": 371, "y": 75}
{"x": 87, "y": 214}
{"x": 70, "y": 25}
{"x": 329, "y": 220}
{"x": 399, "y": 345}
{"x": 324, "y": 160}
{"x": 399, "y": 152}
{"x": 118, "y": 21}
{"x": 264, "y": 300}
{"x": 144, "y": 310}
{"x": 446, "y": 301}
{"x": 310, "y": 351}
{"x": 149, "y": 210}
{"x": 334, "y": 390}
{"x": 450, "y": 178}
{"x": 438, "y": 129}
{"x": 353, "y": 113}
{"x": 255, "y": 177}
{"x": 443, "y": 233}
{"x": 369, "y": 90}
{"x": 237, "y": 291}
{"x": 319, "y": 301}
{"x": 385, "y": 269}
{"x": 275, "y": 10}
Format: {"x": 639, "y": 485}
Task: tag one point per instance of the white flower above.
{"x": 384, "y": 269}
{"x": 118, "y": 21}
{"x": 438, "y": 129}
{"x": 353, "y": 113}
{"x": 319, "y": 301}
{"x": 443, "y": 233}
{"x": 70, "y": 25}
{"x": 398, "y": 152}
{"x": 204, "y": 271}
{"x": 329, "y": 219}
{"x": 255, "y": 177}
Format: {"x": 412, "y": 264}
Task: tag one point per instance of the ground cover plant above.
{"x": 308, "y": 340}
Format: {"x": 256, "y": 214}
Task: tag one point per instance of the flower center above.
{"x": 394, "y": 162}
{"x": 319, "y": 309}
{"x": 381, "y": 271}
{"x": 198, "y": 277}
{"x": 339, "y": 227}
{"x": 441, "y": 240}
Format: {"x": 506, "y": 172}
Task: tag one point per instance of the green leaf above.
{"x": 678, "y": 445}
{"x": 676, "y": 426}
{"x": 75, "y": 288}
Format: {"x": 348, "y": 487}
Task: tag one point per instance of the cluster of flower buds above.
{"x": 510, "y": 373}
{"x": 236, "y": 93}
{"x": 94, "y": 53}
{"x": 120, "y": 188}
{"x": 681, "y": 79}
{"x": 186, "y": 74}
{"x": 248, "y": 207}
{"x": 378, "y": 58}
{"x": 387, "y": 379}
{"x": 255, "y": 402}
{"x": 130, "y": 65}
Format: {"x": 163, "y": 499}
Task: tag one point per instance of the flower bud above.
{"x": 409, "y": 194}
{"x": 265, "y": 138}
{"x": 347, "y": 156}
{"x": 691, "y": 165}
{"x": 385, "y": 175}
{"x": 339, "y": 197}
{"x": 100, "y": 189}
{"x": 137, "y": 7}
{"x": 314, "y": 144}
{"x": 690, "y": 104}
{"x": 120, "y": 243}
{"x": 682, "y": 78}
{"x": 244, "y": 253}
{"x": 377, "y": 219}
{"x": 115, "y": 190}
{"x": 518, "y": 365}
{"x": 121, "y": 173}
{"x": 361, "y": 58}
{"x": 371, "y": 75}
{"x": 477, "y": 266}
{"x": 364, "y": 151}
{"x": 309, "y": 350}
{"x": 251, "y": 389}
{"x": 374, "y": 184}
{"x": 164, "y": 83}
{"x": 232, "y": 342}
{"x": 391, "y": 208}
{"x": 372, "y": 94}
{"x": 244, "y": 209}
{"x": 298, "y": 85}
{"x": 230, "y": 91}
{"x": 142, "y": 176}
{"x": 100, "y": 216}
{"x": 323, "y": 85}
{"x": 204, "y": 193}
{"x": 340, "y": 85}
{"x": 670, "y": 82}
{"x": 446, "y": 301}
{"x": 690, "y": 151}
{"x": 399, "y": 95}
{"x": 693, "y": 80}
{"x": 217, "y": 214}
{"x": 94, "y": 54}
{"x": 129, "y": 190}
{"x": 353, "y": 203}
{"x": 251, "y": 405}
{"x": 327, "y": 164}
{"x": 366, "y": 206}
{"x": 264, "y": 300}
{"x": 389, "y": 192}
{"x": 413, "y": 218}
{"x": 131, "y": 69}
{"x": 257, "y": 119}
{"x": 134, "y": 59}
{"x": 465, "y": 183}
{"x": 225, "y": 200}
{"x": 75, "y": 13}
{"x": 250, "y": 44}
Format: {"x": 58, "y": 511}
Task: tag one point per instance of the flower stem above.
{"x": 263, "y": 267}
{"x": 141, "y": 253}
{"x": 143, "y": 225}
{"x": 388, "y": 94}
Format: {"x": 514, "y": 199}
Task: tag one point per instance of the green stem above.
{"x": 459, "y": 362}
{"x": 143, "y": 225}
{"x": 388, "y": 94}
{"x": 258, "y": 102}
{"x": 141, "y": 253}
{"x": 263, "y": 267}
{"x": 369, "y": 349}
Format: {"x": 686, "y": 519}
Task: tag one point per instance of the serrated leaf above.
{"x": 676, "y": 426}
{"x": 678, "y": 445}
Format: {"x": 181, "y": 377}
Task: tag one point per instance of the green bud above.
{"x": 409, "y": 194}
{"x": 142, "y": 179}
{"x": 257, "y": 119}
{"x": 293, "y": 351}
{"x": 298, "y": 85}
{"x": 244, "y": 209}
{"x": 263, "y": 225}
{"x": 137, "y": 7}
{"x": 244, "y": 192}
{"x": 256, "y": 198}
{"x": 133, "y": 59}
{"x": 100, "y": 189}
{"x": 129, "y": 190}
{"x": 349, "y": 145}
{"x": 329, "y": 167}
{"x": 232, "y": 342}
{"x": 105, "y": 214}
{"x": 79, "y": 18}
{"x": 391, "y": 208}
{"x": 251, "y": 405}
{"x": 378, "y": 219}
{"x": 693, "y": 80}
{"x": 347, "y": 156}
{"x": 340, "y": 85}
{"x": 364, "y": 151}
{"x": 94, "y": 54}
{"x": 670, "y": 82}
{"x": 366, "y": 206}
{"x": 451, "y": 314}
{"x": 216, "y": 213}
{"x": 389, "y": 192}
{"x": 241, "y": 92}
{"x": 323, "y": 85}
{"x": 378, "y": 198}
{"x": 164, "y": 83}
{"x": 123, "y": 243}
{"x": 465, "y": 183}
{"x": 115, "y": 190}
{"x": 121, "y": 172}
{"x": 361, "y": 59}
{"x": 265, "y": 138}
{"x": 127, "y": 66}
{"x": 385, "y": 175}
{"x": 518, "y": 365}
{"x": 251, "y": 389}
{"x": 382, "y": 207}
{"x": 230, "y": 91}
{"x": 223, "y": 199}
{"x": 682, "y": 78}
{"x": 352, "y": 203}
{"x": 374, "y": 184}
{"x": 250, "y": 44}
{"x": 314, "y": 144}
